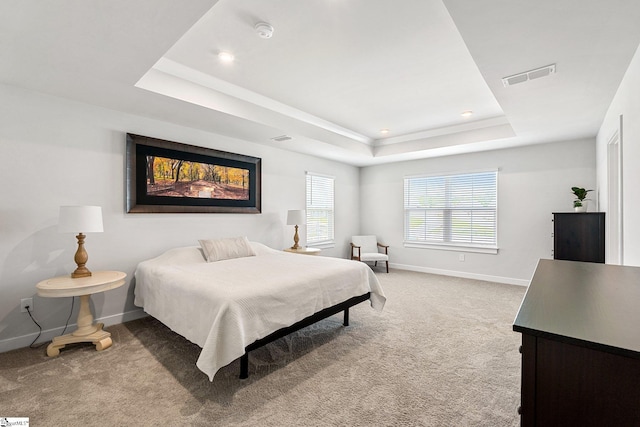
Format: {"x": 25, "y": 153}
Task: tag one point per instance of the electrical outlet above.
{"x": 461, "y": 257}
{"x": 26, "y": 302}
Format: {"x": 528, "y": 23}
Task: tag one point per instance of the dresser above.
{"x": 580, "y": 326}
{"x": 579, "y": 236}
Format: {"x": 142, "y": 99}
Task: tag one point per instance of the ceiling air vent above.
{"x": 529, "y": 75}
{"x": 281, "y": 138}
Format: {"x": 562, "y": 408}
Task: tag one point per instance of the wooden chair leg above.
{"x": 375, "y": 263}
{"x": 387, "y": 266}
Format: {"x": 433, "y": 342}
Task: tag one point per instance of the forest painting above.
{"x": 179, "y": 178}
{"x": 171, "y": 177}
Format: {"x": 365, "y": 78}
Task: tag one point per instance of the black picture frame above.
{"x": 171, "y": 177}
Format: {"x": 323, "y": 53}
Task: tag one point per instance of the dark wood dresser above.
{"x": 580, "y": 325}
{"x": 579, "y": 236}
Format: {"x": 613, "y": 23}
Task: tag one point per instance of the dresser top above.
{"x": 577, "y": 213}
{"x": 596, "y": 304}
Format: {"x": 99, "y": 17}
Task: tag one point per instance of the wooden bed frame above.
{"x": 323, "y": 314}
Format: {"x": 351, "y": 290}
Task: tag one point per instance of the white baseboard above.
{"x": 49, "y": 334}
{"x": 497, "y": 279}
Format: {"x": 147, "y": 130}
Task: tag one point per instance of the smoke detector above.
{"x": 264, "y": 30}
{"x": 529, "y": 75}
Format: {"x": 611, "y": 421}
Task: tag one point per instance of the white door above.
{"x": 614, "y": 183}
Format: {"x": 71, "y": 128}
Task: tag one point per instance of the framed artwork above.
{"x": 171, "y": 177}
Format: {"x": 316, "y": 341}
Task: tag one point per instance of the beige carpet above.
{"x": 442, "y": 353}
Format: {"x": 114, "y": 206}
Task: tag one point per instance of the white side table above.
{"x": 83, "y": 287}
{"x": 304, "y": 251}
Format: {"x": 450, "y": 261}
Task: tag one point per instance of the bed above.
{"x": 232, "y": 305}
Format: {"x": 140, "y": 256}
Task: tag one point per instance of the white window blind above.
{"x": 320, "y": 195}
{"x": 455, "y": 210}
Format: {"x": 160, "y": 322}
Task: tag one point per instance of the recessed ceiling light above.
{"x": 466, "y": 114}
{"x": 384, "y": 131}
{"x": 225, "y": 56}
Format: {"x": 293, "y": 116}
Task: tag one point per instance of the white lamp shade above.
{"x": 80, "y": 219}
{"x": 296, "y": 217}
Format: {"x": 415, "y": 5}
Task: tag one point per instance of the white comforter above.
{"x": 226, "y": 305}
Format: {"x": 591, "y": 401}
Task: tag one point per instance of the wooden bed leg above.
{"x": 346, "y": 317}
{"x": 244, "y": 366}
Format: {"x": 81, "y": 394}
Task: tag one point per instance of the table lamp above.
{"x": 80, "y": 219}
{"x": 295, "y": 217}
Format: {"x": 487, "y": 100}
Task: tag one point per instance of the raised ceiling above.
{"x": 335, "y": 72}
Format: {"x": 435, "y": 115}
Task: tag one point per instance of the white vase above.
{"x": 582, "y": 208}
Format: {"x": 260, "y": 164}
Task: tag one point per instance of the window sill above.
{"x": 453, "y": 247}
{"x": 322, "y": 245}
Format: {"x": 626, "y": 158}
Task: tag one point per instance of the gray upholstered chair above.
{"x": 366, "y": 248}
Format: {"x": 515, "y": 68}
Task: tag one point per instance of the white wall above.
{"x": 533, "y": 182}
{"x": 626, "y": 103}
{"x": 57, "y": 152}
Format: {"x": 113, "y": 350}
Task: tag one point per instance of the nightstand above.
{"x": 83, "y": 287}
{"x": 304, "y": 251}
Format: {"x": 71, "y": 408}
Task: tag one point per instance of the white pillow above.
{"x": 221, "y": 249}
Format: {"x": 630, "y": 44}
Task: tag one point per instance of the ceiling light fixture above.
{"x": 384, "y": 131}
{"x": 226, "y": 56}
{"x": 264, "y": 30}
{"x": 466, "y": 114}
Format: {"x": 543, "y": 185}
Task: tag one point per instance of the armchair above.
{"x": 366, "y": 248}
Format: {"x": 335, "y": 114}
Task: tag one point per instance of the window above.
{"x": 319, "y": 210}
{"x": 452, "y": 210}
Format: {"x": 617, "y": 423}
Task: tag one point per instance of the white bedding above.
{"x": 226, "y": 305}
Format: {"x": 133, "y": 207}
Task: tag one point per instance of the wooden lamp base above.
{"x": 81, "y": 257}
{"x": 296, "y": 239}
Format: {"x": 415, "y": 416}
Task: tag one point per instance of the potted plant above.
{"x": 580, "y": 203}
